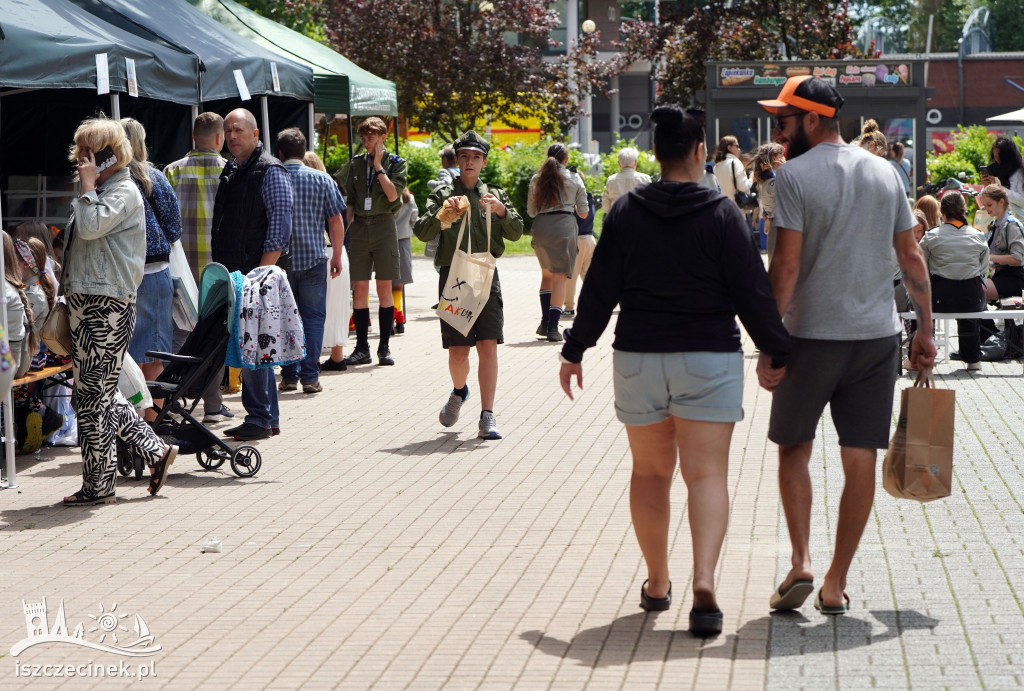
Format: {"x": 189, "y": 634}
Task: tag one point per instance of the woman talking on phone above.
{"x": 104, "y": 253}
{"x": 1007, "y": 170}
{"x": 676, "y": 258}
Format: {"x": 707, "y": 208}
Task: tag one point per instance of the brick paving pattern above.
{"x": 378, "y": 549}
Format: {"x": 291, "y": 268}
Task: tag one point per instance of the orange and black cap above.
{"x": 808, "y": 93}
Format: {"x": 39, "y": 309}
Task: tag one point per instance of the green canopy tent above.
{"x": 339, "y": 85}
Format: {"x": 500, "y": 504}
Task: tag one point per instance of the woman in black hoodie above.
{"x": 677, "y": 258}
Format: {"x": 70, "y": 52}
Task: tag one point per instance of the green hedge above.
{"x": 511, "y": 168}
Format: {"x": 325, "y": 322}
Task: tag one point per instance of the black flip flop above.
{"x": 655, "y": 604}
{"x": 706, "y": 623}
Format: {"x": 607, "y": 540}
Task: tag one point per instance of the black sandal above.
{"x": 80, "y": 499}
{"x": 655, "y": 604}
{"x": 159, "y": 476}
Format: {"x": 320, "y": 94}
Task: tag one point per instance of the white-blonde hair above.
{"x": 628, "y": 157}
{"x": 97, "y": 134}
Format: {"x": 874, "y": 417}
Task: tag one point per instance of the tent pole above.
{"x": 195, "y": 113}
{"x": 115, "y": 105}
{"x": 351, "y": 144}
{"x": 309, "y": 141}
{"x": 395, "y": 121}
{"x": 266, "y": 122}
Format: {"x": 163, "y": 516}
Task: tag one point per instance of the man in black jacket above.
{"x": 251, "y": 227}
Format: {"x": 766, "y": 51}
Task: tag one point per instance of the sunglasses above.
{"x": 780, "y": 119}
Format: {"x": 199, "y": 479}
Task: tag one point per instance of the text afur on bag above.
{"x": 447, "y": 306}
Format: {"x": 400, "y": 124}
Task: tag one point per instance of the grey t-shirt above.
{"x": 848, "y": 204}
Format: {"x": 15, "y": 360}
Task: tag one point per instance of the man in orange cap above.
{"x": 832, "y": 278}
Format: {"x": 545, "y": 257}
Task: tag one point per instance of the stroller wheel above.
{"x": 211, "y": 460}
{"x": 246, "y": 461}
{"x": 125, "y": 460}
{"x": 140, "y": 466}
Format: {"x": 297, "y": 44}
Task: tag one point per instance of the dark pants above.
{"x": 967, "y": 295}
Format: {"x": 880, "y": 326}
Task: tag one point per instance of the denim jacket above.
{"x": 108, "y": 249}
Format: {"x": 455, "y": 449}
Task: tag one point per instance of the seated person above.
{"x": 957, "y": 258}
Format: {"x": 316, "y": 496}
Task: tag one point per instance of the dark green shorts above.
{"x": 489, "y": 325}
{"x": 374, "y": 248}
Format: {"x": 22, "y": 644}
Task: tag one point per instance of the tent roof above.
{"x": 53, "y": 45}
{"x": 221, "y": 50}
{"x": 341, "y": 86}
{"x": 1012, "y": 116}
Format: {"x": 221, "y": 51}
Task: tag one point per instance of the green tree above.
{"x": 450, "y": 59}
{"x": 1007, "y": 24}
{"x": 687, "y": 38}
{"x": 298, "y": 15}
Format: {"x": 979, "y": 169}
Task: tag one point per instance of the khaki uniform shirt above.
{"x": 508, "y": 228}
{"x": 352, "y": 181}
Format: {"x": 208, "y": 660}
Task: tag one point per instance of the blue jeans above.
{"x": 309, "y": 286}
{"x": 259, "y": 397}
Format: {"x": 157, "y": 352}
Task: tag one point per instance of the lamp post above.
{"x": 587, "y": 121}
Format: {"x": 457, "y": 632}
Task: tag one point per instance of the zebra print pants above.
{"x": 101, "y": 328}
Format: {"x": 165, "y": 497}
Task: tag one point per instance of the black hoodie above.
{"x": 679, "y": 260}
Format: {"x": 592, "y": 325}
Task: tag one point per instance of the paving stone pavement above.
{"x": 378, "y": 549}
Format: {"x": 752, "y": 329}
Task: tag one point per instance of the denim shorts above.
{"x": 154, "y": 321}
{"x": 705, "y": 387}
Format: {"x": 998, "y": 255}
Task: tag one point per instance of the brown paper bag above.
{"x": 919, "y": 462}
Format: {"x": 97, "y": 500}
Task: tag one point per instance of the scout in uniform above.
{"x": 506, "y": 223}
{"x": 373, "y": 182}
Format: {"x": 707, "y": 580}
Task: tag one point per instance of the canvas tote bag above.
{"x": 919, "y": 462}
{"x": 469, "y": 280}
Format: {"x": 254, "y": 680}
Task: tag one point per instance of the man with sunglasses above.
{"x": 832, "y": 278}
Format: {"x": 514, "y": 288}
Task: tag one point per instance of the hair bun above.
{"x": 670, "y": 117}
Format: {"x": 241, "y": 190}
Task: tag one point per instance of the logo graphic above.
{"x": 109, "y": 626}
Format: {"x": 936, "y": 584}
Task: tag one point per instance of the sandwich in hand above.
{"x": 447, "y": 216}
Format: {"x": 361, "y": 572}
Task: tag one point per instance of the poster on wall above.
{"x": 852, "y": 74}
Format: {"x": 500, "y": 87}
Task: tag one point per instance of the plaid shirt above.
{"x": 278, "y": 198}
{"x": 195, "y": 179}
{"x": 317, "y": 199}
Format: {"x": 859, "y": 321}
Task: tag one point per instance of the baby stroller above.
{"x": 185, "y": 378}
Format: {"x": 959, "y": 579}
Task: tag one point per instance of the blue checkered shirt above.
{"x": 316, "y": 200}
{"x": 278, "y": 198}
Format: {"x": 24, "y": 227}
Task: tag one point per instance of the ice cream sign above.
{"x": 843, "y": 74}
{"x": 870, "y": 75}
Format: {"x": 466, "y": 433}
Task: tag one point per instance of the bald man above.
{"x": 252, "y": 221}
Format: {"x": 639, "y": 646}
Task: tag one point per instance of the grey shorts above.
{"x": 706, "y": 387}
{"x": 374, "y": 248}
{"x": 489, "y": 325}
{"x": 856, "y": 378}
{"x": 554, "y": 242}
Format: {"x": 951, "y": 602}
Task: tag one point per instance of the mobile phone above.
{"x": 983, "y": 170}
{"x": 105, "y": 158}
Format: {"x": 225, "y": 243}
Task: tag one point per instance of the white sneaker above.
{"x": 488, "y": 426}
{"x": 973, "y": 366}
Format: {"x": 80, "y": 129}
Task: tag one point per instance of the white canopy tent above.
{"x": 1013, "y": 116}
